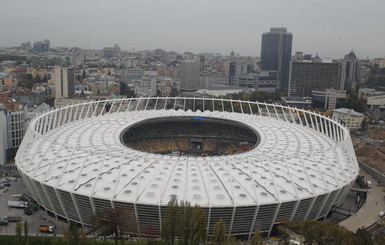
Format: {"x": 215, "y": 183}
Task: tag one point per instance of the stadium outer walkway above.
{"x": 368, "y": 213}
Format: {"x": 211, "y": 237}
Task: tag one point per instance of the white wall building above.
{"x": 64, "y": 82}
{"x": 13, "y": 125}
{"x": 350, "y": 118}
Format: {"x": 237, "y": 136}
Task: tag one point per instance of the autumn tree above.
{"x": 185, "y": 217}
{"x": 219, "y": 232}
{"x": 256, "y": 239}
{"x": 120, "y": 222}
{"x": 170, "y": 222}
{"x": 199, "y": 233}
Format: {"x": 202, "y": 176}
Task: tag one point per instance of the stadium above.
{"x": 252, "y": 164}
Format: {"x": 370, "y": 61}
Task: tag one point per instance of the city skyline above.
{"x": 329, "y": 28}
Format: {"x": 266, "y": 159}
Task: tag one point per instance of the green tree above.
{"x": 362, "y": 237}
{"x": 198, "y": 234}
{"x": 170, "y": 222}
{"x": 219, "y": 232}
{"x": 97, "y": 225}
{"x": 130, "y": 93}
{"x": 18, "y": 230}
{"x": 120, "y": 223}
{"x": 26, "y": 228}
{"x": 185, "y": 226}
{"x": 72, "y": 234}
{"x": 256, "y": 239}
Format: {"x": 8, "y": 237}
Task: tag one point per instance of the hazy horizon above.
{"x": 329, "y": 28}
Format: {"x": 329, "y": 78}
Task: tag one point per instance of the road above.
{"x": 368, "y": 213}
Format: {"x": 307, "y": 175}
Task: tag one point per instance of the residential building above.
{"x": 348, "y": 117}
{"x": 306, "y": 76}
{"x": 13, "y": 125}
{"x": 132, "y": 73}
{"x": 41, "y": 46}
{"x": 276, "y": 53}
{"x": 190, "y": 75}
{"x": 111, "y": 52}
{"x": 64, "y": 82}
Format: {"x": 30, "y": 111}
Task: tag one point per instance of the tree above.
{"x": 123, "y": 88}
{"x": 26, "y": 228}
{"x": 363, "y": 237}
{"x": 219, "y": 232}
{"x": 72, "y": 234}
{"x": 170, "y": 222}
{"x": 284, "y": 237}
{"x": 256, "y": 239}
{"x": 97, "y": 225}
{"x": 185, "y": 217}
{"x": 130, "y": 93}
{"x": 120, "y": 223}
{"x": 198, "y": 234}
{"x": 18, "y": 229}
{"x": 84, "y": 75}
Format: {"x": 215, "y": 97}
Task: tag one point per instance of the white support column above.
{"x": 322, "y": 124}
{"x": 129, "y": 104}
{"x": 88, "y": 109}
{"x": 103, "y": 108}
{"x": 276, "y": 113}
{"x": 165, "y": 103}
{"x": 81, "y": 112}
{"x": 138, "y": 103}
{"x": 292, "y": 116}
{"x": 305, "y": 116}
{"x": 254, "y": 219}
{"x": 259, "y": 109}
{"x": 251, "y": 110}
{"x": 284, "y": 113}
{"x": 299, "y": 117}
{"x": 240, "y": 104}
{"x": 96, "y": 109}
{"x": 232, "y": 107}
{"x": 120, "y": 105}
{"x": 311, "y": 120}
{"x": 156, "y": 103}
{"x": 70, "y": 115}
{"x": 232, "y": 219}
{"x": 274, "y": 218}
{"x": 76, "y": 113}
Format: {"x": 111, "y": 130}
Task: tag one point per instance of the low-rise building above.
{"x": 348, "y": 117}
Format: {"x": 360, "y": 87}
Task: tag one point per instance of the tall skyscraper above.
{"x": 64, "y": 82}
{"x": 276, "y": 53}
{"x": 349, "y": 70}
{"x": 190, "y": 75}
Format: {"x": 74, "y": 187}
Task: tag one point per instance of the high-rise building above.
{"x": 190, "y": 75}
{"x": 349, "y": 69}
{"x": 276, "y": 53}
{"x": 307, "y": 76}
{"x": 42, "y": 46}
{"x": 64, "y": 82}
{"x": 13, "y": 124}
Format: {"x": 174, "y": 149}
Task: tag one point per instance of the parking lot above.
{"x": 34, "y": 221}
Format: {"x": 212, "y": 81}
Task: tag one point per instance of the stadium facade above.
{"x": 74, "y": 164}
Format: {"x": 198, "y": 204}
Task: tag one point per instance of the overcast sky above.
{"x": 328, "y": 27}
